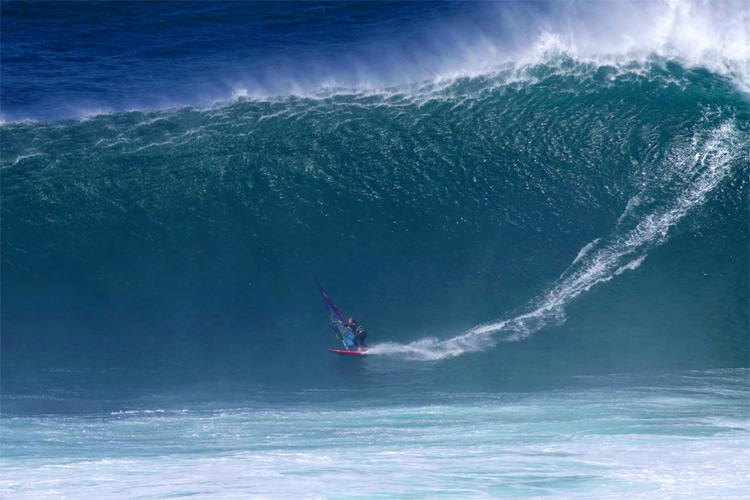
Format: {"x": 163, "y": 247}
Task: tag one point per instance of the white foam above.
{"x": 625, "y": 35}
{"x": 628, "y": 437}
{"x": 24, "y": 157}
{"x": 585, "y": 250}
{"x": 714, "y": 35}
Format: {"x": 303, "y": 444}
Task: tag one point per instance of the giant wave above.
{"x": 491, "y": 196}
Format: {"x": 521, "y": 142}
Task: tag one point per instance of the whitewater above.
{"x": 590, "y": 438}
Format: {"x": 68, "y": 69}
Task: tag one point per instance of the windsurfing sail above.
{"x": 338, "y": 322}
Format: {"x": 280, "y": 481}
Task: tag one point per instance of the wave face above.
{"x": 539, "y": 218}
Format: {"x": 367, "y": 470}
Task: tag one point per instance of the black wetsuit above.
{"x": 360, "y": 334}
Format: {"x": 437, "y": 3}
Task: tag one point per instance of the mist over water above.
{"x": 123, "y": 58}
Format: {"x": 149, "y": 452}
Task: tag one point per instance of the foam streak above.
{"x": 703, "y": 166}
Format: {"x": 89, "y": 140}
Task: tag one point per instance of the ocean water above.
{"x": 667, "y": 435}
{"x": 538, "y": 210}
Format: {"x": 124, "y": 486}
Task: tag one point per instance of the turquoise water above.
{"x": 560, "y": 197}
{"x": 671, "y": 435}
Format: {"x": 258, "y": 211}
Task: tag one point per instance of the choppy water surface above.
{"x": 679, "y": 435}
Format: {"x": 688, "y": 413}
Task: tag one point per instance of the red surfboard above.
{"x": 342, "y": 352}
{"x": 341, "y": 327}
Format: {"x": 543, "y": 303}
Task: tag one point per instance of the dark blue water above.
{"x": 67, "y": 59}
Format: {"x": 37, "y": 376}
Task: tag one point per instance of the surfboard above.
{"x": 342, "y": 352}
{"x": 340, "y": 327}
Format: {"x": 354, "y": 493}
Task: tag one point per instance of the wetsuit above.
{"x": 360, "y": 334}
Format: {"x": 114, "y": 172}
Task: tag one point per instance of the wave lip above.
{"x": 713, "y": 35}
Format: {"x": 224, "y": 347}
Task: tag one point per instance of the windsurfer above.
{"x": 360, "y": 334}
